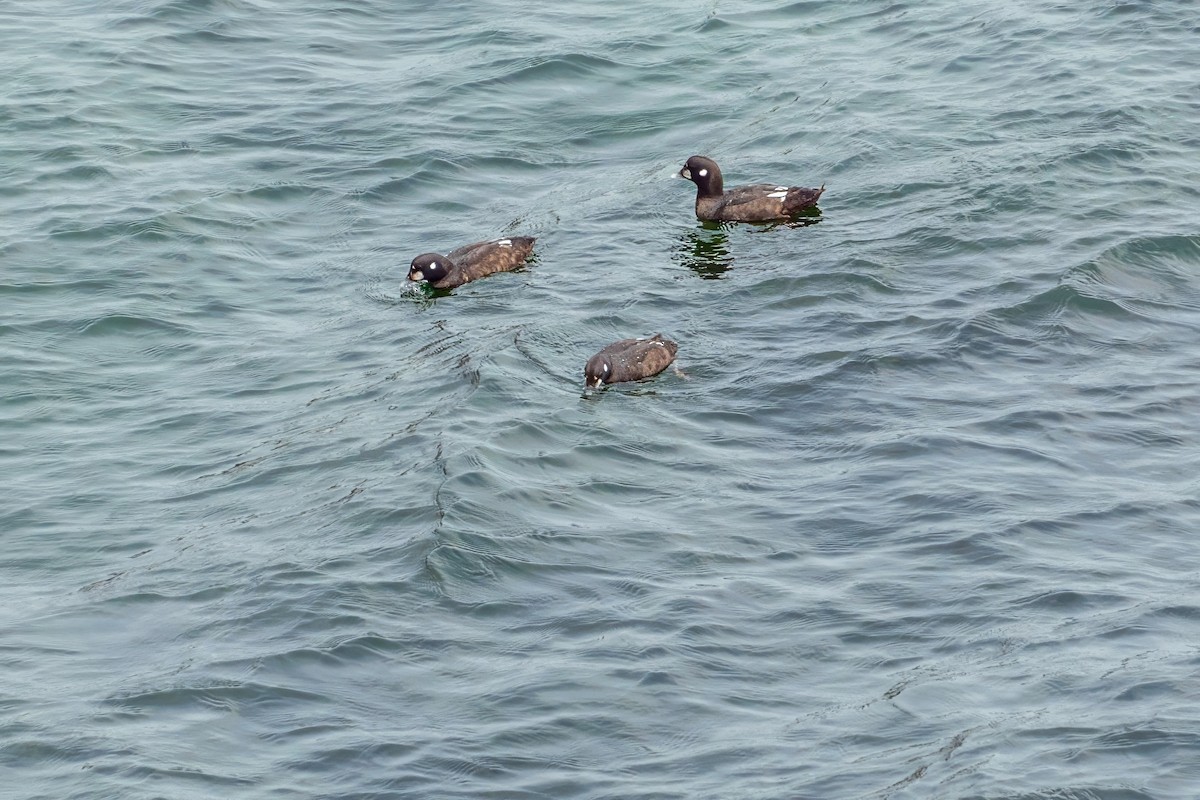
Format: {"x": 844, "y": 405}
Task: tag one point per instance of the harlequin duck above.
{"x": 471, "y": 261}
{"x": 760, "y": 202}
{"x": 629, "y": 360}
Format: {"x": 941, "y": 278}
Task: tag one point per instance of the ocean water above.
{"x": 914, "y": 518}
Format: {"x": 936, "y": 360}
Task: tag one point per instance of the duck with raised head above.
{"x": 471, "y": 261}
{"x": 759, "y": 202}
{"x": 629, "y": 360}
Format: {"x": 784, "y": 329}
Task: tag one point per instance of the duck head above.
{"x": 430, "y": 267}
{"x": 704, "y": 172}
{"x": 597, "y": 371}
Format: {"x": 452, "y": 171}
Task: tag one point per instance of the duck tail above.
{"x": 801, "y": 199}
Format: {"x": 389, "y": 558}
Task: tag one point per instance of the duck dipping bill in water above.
{"x": 470, "y": 262}
{"x": 759, "y": 202}
{"x": 629, "y": 360}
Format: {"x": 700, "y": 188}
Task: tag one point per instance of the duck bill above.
{"x": 416, "y": 276}
{"x": 684, "y": 173}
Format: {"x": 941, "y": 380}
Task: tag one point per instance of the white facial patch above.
{"x": 703, "y": 173}
{"x": 416, "y": 276}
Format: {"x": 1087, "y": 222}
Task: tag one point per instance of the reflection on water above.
{"x": 804, "y": 218}
{"x": 801, "y": 219}
{"x": 705, "y": 250}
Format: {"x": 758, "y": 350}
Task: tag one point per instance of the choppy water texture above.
{"x": 917, "y": 521}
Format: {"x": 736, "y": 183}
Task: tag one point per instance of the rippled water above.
{"x": 915, "y": 521}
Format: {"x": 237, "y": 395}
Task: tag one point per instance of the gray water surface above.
{"x": 915, "y": 521}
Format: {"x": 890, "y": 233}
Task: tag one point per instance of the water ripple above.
{"x": 910, "y": 520}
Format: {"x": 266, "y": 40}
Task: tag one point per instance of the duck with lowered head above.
{"x": 629, "y": 360}
{"x": 470, "y": 262}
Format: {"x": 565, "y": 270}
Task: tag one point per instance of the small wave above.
{"x": 125, "y": 324}
{"x": 229, "y": 696}
{"x": 1157, "y": 268}
{"x": 1067, "y": 601}
{"x": 528, "y": 73}
{"x": 1069, "y": 314}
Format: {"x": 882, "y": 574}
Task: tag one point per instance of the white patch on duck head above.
{"x": 703, "y": 173}
{"x": 416, "y": 275}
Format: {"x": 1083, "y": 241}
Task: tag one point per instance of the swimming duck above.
{"x": 760, "y": 202}
{"x": 471, "y": 261}
{"x": 629, "y": 360}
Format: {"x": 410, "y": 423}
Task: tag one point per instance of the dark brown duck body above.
{"x": 629, "y": 360}
{"x": 759, "y": 202}
{"x": 471, "y": 262}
